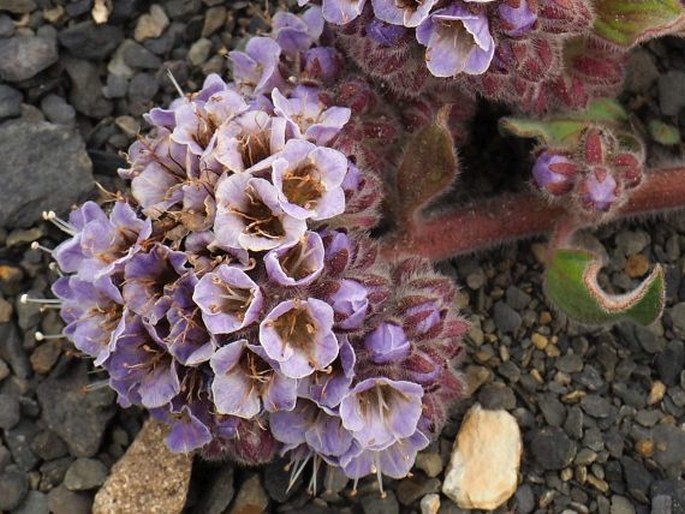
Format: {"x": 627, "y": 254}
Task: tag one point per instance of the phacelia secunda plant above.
{"x": 236, "y": 294}
{"x": 236, "y": 291}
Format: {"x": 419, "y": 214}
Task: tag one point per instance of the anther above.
{"x": 37, "y": 246}
{"x": 45, "y": 301}
{"x": 53, "y": 266}
{"x": 43, "y": 337}
{"x": 61, "y": 224}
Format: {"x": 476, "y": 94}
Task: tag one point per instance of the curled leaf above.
{"x": 571, "y": 283}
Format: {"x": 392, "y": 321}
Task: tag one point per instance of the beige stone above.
{"x": 147, "y": 479}
{"x": 151, "y": 25}
{"x": 430, "y": 504}
{"x": 483, "y": 469}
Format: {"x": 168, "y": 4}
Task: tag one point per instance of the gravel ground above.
{"x": 601, "y": 410}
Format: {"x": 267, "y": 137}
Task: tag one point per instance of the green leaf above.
{"x": 627, "y": 22}
{"x": 571, "y": 283}
{"x": 663, "y": 133}
{"x": 428, "y": 168}
{"x": 565, "y": 131}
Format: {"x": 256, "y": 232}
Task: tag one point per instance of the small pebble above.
{"x": 430, "y": 504}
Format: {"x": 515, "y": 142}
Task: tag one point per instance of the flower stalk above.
{"x": 484, "y": 224}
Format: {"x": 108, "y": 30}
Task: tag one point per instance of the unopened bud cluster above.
{"x": 597, "y": 176}
{"x": 236, "y": 295}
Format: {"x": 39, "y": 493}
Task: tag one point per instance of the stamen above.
{"x": 311, "y": 489}
{"x": 43, "y": 337}
{"x": 45, "y": 301}
{"x": 297, "y": 471}
{"x": 37, "y": 246}
{"x": 379, "y": 478}
{"x": 94, "y": 386}
{"x": 177, "y": 86}
{"x": 61, "y": 224}
{"x": 53, "y": 266}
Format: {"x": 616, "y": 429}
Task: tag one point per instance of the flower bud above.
{"x": 554, "y": 173}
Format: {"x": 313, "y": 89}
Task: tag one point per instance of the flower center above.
{"x": 296, "y": 328}
{"x": 233, "y": 300}
{"x": 302, "y": 186}
{"x": 295, "y": 263}
{"x": 261, "y": 219}
{"x": 254, "y": 148}
{"x": 257, "y": 371}
{"x": 408, "y": 4}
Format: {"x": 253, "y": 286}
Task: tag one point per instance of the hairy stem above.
{"x": 488, "y": 223}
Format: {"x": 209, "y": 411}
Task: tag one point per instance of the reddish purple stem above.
{"x": 484, "y": 224}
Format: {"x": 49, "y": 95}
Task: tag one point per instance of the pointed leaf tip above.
{"x": 571, "y": 283}
{"x": 428, "y": 168}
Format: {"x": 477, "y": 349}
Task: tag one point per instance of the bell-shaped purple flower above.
{"x": 307, "y": 117}
{"x": 517, "y": 20}
{"x": 140, "y": 367}
{"x": 322, "y": 64}
{"x": 159, "y": 168}
{"x": 256, "y": 69}
{"x": 387, "y": 343}
{"x": 341, "y": 12}
{"x": 457, "y": 40}
{"x": 205, "y": 252}
{"x": 409, "y": 13}
{"x": 244, "y": 382}
{"x": 187, "y": 432}
{"x": 394, "y": 461}
{"x": 554, "y": 173}
{"x": 320, "y": 429}
{"x": 145, "y": 277}
{"x": 308, "y": 179}
{"x": 178, "y": 322}
{"x": 379, "y": 411}
{"x": 196, "y": 121}
{"x": 230, "y": 300}
{"x": 384, "y": 33}
{"x": 94, "y": 316}
{"x": 328, "y": 387}
{"x": 350, "y": 303}
{"x": 298, "y": 264}
{"x": 249, "y": 140}
{"x": 249, "y": 215}
{"x": 298, "y": 335}
{"x": 101, "y": 243}
{"x": 295, "y": 34}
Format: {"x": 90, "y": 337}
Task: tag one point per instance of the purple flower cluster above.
{"x": 457, "y": 35}
{"x": 236, "y": 295}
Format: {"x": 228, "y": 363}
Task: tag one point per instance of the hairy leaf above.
{"x": 627, "y": 22}
{"x": 571, "y": 283}
{"x": 428, "y": 168}
{"x": 565, "y": 130}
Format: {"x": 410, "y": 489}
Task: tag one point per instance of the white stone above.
{"x": 483, "y": 469}
{"x": 430, "y": 504}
